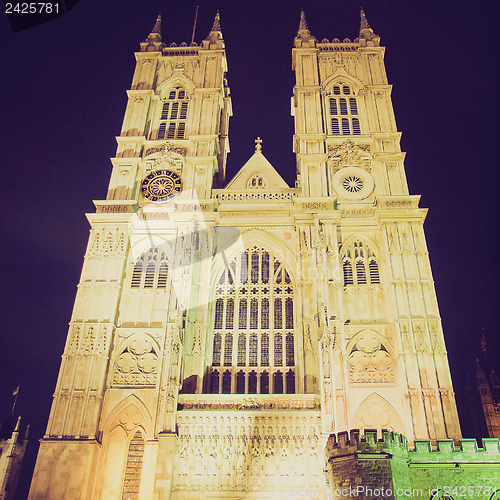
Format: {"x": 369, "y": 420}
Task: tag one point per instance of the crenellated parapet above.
{"x": 369, "y": 461}
{"x": 345, "y": 442}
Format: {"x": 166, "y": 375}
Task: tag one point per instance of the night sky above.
{"x": 63, "y": 98}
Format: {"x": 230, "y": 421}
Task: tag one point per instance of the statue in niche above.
{"x": 212, "y": 461}
{"x": 183, "y": 461}
{"x": 198, "y": 462}
{"x": 226, "y": 461}
{"x": 284, "y": 465}
{"x": 255, "y": 458}
{"x": 269, "y": 458}
{"x": 240, "y": 464}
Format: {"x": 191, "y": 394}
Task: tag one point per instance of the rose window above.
{"x": 162, "y": 186}
{"x": 352, "y": 183}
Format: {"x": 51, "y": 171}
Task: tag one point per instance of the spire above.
{"x": 364, "y": 22}
{"x": 153, "y": 41}
{"x": 18, "y": 424}
{"x": 215, "y": 34}
{"x": 303, "y": 23}
{"x": 366, "y": 33}
{"x": 216, "y": 25}
{"x": 157, "y": 26}
{"x": 303, "y": 34}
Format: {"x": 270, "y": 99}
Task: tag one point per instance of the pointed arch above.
{"x": 253, "y": 322}
{"x": 341, "y": 74}
{"x": 342, "y": 103}
{"x": 164, "y": 88}
{"x": 144, "y": 244}
{"x": 375, "y": 412}
{"x": 128, "y": 420}
{"x": 130, "y": 414}
{"x": 360, "y": 262}
{"x": 257, "y": 180}
{"x": 150, "y": 270}
{"x": 248, "y": 239}
{"x": 170, "y": 117}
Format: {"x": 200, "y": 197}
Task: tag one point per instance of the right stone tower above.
{"x": 383, "y": 359}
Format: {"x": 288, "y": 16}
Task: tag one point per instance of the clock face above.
{"x": 161, "y": 185}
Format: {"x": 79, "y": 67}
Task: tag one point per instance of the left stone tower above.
{"x": 116, "y": 394}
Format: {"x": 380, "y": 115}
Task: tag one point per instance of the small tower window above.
{"x": 174, "y": 115}
{"x": 343, "y": 111}
{"x": 150, "y": 270}
{"x": 256, "y": 182}
{"x": 360, "y": 265}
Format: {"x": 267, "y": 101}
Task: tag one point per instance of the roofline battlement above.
{"x": 445, "y": 450}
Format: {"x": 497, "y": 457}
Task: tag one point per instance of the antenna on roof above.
{"x": 194, "y": 24}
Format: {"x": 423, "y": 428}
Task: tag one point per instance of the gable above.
{"x": 257, "y": 173}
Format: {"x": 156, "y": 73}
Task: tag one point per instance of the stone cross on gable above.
{"x": 258, "y": 144}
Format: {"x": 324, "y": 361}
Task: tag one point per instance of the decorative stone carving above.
{"x": 350, "y": 154}
{"x": 262, "y": 454}
{"x": 88, "y": 341}
{"x": 165, "y": 156}
{"x": 370, "y": 361}
{"x": 137, "y": 363}
{"x": 436, "y": 341}
{"x": 75, "y": 340}
{"x": 107, "y": 241}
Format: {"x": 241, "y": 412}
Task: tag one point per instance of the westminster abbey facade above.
{"x": 227, "y": 333}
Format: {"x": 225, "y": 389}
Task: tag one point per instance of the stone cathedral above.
{"x": 245, "y": 338}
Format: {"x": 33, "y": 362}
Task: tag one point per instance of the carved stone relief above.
{"x": 137, "y": 363}
{"x": 254, "y": 456}
{"x": 107, "y": 241}
{"x": 350, "y": 154}
{"x": 370, "y": 361}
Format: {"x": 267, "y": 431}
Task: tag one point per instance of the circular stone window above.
{"x": 353, "y": 183}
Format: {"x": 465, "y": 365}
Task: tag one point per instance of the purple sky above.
{"x": 63, "y": 99}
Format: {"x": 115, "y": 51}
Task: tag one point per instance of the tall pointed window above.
{"x": 360, "y": 265}
{"x": 343, "y": 111}
{"x": 150, "y": 270}
{"x": 174, "y": 115}
{"x": 133, "y": 468}
{"x": 254, "y": 322}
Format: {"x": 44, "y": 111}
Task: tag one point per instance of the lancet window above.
{"x": 343, "y": 111}
{"x": 360, "y": 265}
{"x": 254, "y": 336}
{"x": 133, "y": 468}
{"x": 150, "y": 270}
{"x": 174, "y": 115}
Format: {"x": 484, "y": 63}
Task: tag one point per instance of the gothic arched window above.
{"x": 174, "y": 115}
{"x": 254, "y": 334}
{"x": 360, "y": 265}
{"x": 133, "y": 468}
{"x": 343, "y": 111}
{"x": 150, "y": 270}
{"x": 256, "y": 182}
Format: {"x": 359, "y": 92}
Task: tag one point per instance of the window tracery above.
{"x": 174, "y": 115}
{"x": 343, "y": 111}
{"x": 150, "y": 270}
{"x": 360, "y": 265}
{"x": 257, "y": 353}
{"x": 133, "y": 468}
